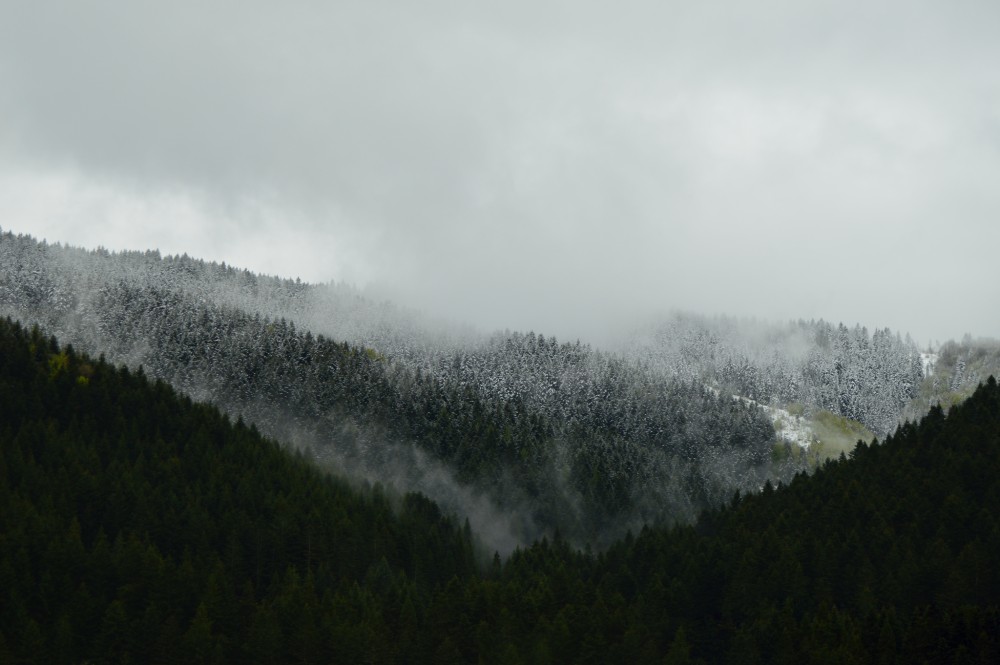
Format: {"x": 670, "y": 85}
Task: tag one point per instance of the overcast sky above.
{"x": 553, "y": 166}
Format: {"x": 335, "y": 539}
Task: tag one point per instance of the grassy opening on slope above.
{"x": 784, "y": 450}
{"x": 796, "y": 409}
{"x": 836, "y": 434}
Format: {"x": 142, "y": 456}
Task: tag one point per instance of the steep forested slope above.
{"x": 137, "y": 526}
{"x": 520, "y": 433}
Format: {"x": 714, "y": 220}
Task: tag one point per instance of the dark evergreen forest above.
{"x": 139, "y": 526}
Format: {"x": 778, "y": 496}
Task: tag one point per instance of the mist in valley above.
{"x": 562, "y": 269}
{"x": 499, "y": 332}
{"x": 524, "y": 435}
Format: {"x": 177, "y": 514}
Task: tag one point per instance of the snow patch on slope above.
{"x": 929, "y": 361}
{"x": 789, "y": 427}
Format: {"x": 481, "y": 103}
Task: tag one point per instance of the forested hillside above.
{"x": 866, "y": 377}
{"x": 137, "y": 526}
{"x": 883, "y": 557}
{"x": 955, "y": 371}
{"x": 518, "y": 432}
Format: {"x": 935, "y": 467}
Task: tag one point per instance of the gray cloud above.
{"x": 547, "y": 165}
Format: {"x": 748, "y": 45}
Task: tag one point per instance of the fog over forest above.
{"x": 563, "y": 168}
{"x": 552, "y": 332}
{"x": 523, "y": 435}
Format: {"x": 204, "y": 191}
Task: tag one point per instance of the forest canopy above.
{"x": 138, "y": 525}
